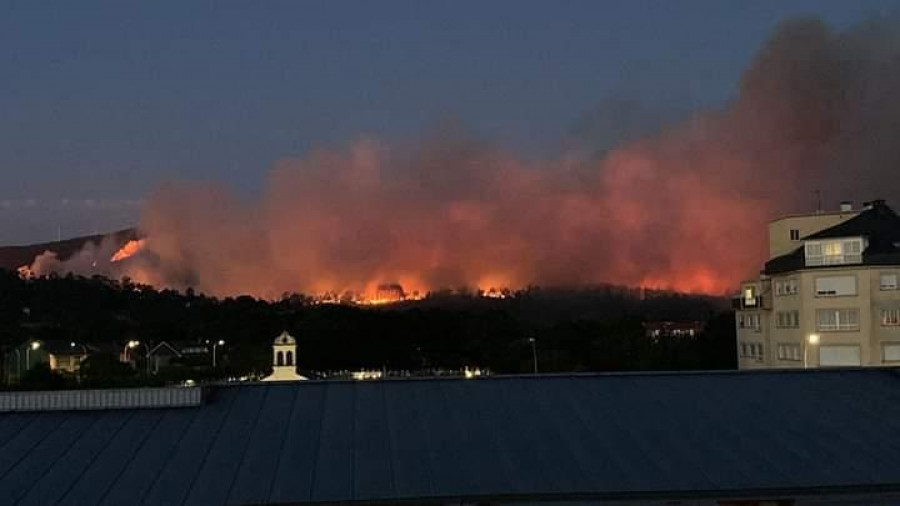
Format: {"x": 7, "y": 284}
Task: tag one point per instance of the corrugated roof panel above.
{"x": 150, "y": 459}
{"x": 525, "y": 419}
{"x": 333, "y": 475}
{"x": 213, "y": 482}
{"x": 10, "y": 425}
{"x": 479, "y": 410}
{"x": 257, "y": 469}
{"x": 24, "y": 438}
{"x": 447, "y": 440}
{"x": 41, "y": 457}
{"x": 541, "y": 436}
{"x": 373, "y": 464}
{"x": 68, "y": 468}
{"x": 410, "y": 452}
{"x": 185, "y": 437}
{"x": 105, "y": 469}
{"x": 293, "y": 479}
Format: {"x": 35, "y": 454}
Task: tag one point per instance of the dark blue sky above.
{"x": 102, "y": 101}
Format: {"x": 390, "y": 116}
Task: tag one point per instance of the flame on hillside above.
{"x": 130, "y": 249}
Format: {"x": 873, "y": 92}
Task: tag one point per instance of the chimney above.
{"x": 846, "y": 206}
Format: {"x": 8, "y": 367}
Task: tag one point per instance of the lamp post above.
{"x": 33, "y": 345}
{"x": 534, "y": 353}
{"x": 812, "y": 339}
{"x": 220, "y": 342}
{"x": 134, "y": 344}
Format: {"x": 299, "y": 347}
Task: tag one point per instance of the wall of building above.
{"x": 780, "y": 241}
{"x": 869, "y": 301}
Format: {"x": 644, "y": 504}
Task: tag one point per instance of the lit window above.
{"x": 834, "y": 252}
{"x": 750, "y": 296}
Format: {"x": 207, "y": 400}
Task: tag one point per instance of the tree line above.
{"x": 574, "y": 330}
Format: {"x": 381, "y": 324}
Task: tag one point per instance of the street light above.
{"x": 812, "y": 339}
{"x": 33, "y": 345}
{"x": 220, "y": 342}
{"x": 534, "y": 352}
{"x": 134, "y": 344}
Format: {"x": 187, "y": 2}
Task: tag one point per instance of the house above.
{"x": 828, "y": 295}
{"x": 64, "y": 357}
{"x": 774, "y": 437}
{"x": 658, "y": 329}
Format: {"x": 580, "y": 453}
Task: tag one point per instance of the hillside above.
{"x": 12, "y": 257}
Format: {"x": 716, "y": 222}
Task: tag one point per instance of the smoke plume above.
{"x": 684, "y": 209}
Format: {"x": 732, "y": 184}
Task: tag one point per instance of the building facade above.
{"x": 828, "y": 295}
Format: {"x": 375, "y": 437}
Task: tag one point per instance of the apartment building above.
{"x": 828, "y": 295}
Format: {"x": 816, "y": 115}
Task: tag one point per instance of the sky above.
{"x": 101, "y": 102}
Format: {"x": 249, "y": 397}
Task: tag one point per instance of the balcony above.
{"x": 740, "y": 302}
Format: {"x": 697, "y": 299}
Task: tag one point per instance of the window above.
{"x": 830, "y": 320}
{"x": 795, "y": 234}
{"x": 839, "y": 355}
{"x": 834, "y": 252}
{"x": 748, "y": 321}
{"x": 279, "y": 358}
{"x": 290, "y": 358}
{"x": 786, "y": 287}
{"x": 749, "y": 296}
{"x": 890, "y": 317}
{"x": 888, "y": 281}
{"x": 835, "y": 286}
{"x": 890, "y": 352}
{"x": 789, "y": 351}
{"x": 752, "y": 351}
{"x": 787, "y": 319}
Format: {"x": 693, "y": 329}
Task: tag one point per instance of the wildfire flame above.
{"x": 130, "y": 249}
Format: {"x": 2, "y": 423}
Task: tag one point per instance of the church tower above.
{"x": 284, "y": 356}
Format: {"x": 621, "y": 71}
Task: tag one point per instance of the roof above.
{"x": 164, "y": 349}
{"x": 879, "y": 223}
{"x": 549, "y": 437}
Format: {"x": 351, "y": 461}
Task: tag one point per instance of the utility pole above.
{"x": 534, "y": 353}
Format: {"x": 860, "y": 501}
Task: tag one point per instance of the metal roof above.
{"x": 552, "y": 437}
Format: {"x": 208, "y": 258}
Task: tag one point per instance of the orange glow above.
{"x": 130, "y": 249}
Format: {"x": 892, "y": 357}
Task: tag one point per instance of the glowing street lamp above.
{"x": 134, "y": 344}
{"x": 32, "y": 346}
{"x": 220, "y": 342}
{"x": 812, "y": 340}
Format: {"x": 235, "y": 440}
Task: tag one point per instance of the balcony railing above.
{"x": 757, "y": 302}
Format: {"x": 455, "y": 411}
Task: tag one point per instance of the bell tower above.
{"x": 284, "y": 359}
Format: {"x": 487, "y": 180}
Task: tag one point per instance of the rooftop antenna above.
{"x": 58, "y": 233}
{"x": 817, "y": 201}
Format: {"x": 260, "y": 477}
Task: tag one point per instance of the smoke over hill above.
{"x": 685, "y": 209}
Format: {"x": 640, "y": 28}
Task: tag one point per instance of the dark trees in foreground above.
{"x": 579, "y": 330}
